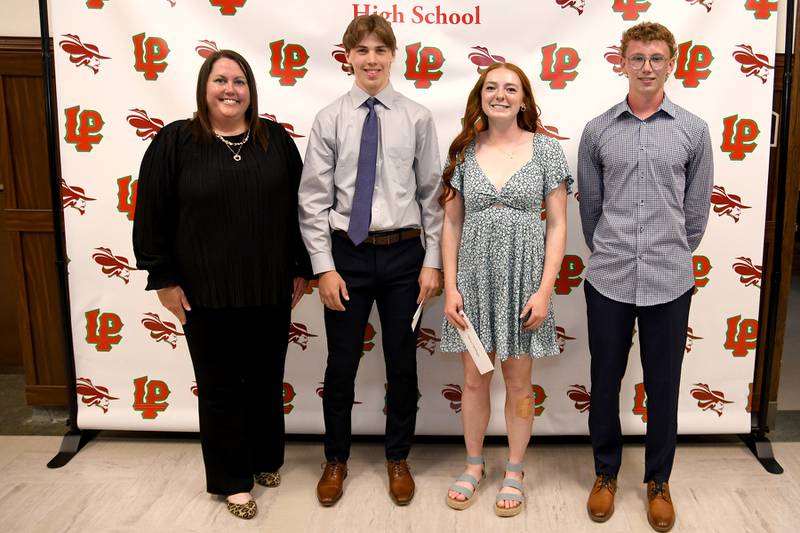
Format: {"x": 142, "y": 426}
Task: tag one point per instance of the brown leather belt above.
{"x": 384, "y": 238}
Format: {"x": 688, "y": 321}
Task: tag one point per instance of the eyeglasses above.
{"x": 657, "y": 61}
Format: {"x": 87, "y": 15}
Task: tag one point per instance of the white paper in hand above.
{"x": 475, "y": 346}
{"x": 414, "y": 320}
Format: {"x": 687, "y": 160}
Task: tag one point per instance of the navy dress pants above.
{"x": 662, "y": 339}
{"x": 386, "y": 275}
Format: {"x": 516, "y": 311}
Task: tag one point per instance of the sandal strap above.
{"x": 475, "y": 459}
{"x": 514, "y": 467}
{"x": 513, "y": 483}
{"x": 469, "y": 479}
{"x": 462, "y": 490}
{"x": 509, "y": 496}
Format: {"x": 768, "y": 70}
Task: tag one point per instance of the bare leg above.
{"x": 519, "y": 410}
{"x": 475, "y": 412}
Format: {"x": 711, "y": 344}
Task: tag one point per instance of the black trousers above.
{"x": 388, "y": 276}
{"x": 238, "y": 357}
{"x": 662, "y": 338}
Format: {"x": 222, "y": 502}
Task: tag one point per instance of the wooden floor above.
{"x": 157, "y": 484}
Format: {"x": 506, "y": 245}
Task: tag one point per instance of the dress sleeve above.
{"x": 457, "y": 179}
{"x": 555, "y": 165}
{"x": 301, "y": 263}
{"x": 155, "y": 218}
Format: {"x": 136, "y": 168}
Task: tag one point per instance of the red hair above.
{"x": 476, "y": 121}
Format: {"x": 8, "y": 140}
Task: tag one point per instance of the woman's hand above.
{"x": 299, "y": 289}
{"x": 536, "y": 309}
{"x": 175, "y": 301}
{"x": 453, "y": 305}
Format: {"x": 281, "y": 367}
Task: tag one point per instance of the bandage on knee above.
{"x": 525, "y": 407}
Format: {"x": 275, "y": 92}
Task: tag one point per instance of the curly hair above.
{"x": 647, "y": 32}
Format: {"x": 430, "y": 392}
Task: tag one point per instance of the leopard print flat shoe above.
{"x": 269, "y": 479}
{"x": 245, "y": 511}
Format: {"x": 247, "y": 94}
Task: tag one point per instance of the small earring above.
{"x": 522, "y": 107}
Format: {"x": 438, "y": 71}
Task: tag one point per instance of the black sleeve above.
{"x": 156, "y": 212}
{"x": 301, "y": 259}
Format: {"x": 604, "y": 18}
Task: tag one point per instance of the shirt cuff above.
{"x": 322, "y": 262}
{"x": 433, "y": 258}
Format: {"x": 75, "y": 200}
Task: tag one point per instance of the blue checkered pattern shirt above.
{"x": 645, "y": 188}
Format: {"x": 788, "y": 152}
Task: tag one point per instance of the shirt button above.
{"x": 641, "y": 229}
{"x": 641, "y": 202}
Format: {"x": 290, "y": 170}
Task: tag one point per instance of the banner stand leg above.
{"x": 762, "y": 449}
{"x": 74, "y": 440}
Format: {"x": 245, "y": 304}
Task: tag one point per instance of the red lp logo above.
{"x": 126, "y": 196}
{"x": 228, "y": 7}
{"x": 558, "y": 65}
{"x": 741, "y": 335}
{"x": 702, "y": 266}
{"x": 738, "y": 137}
{"x": 83, "y": 128}
{"x": 423, "y": 65}
{"x": 762, "y": 9}
{"x": 287, "y": 62}
{"x": 693, "y": 63}
{"x": 102, "y": 330}
{"x": 640, "y": 401}
{"x": 150, "y": 54}
{"x": 288, "y": 396}
{"x": 630, "y": 9}
{"x": 539, "y": 397}
{"x": 149, "y": 397}
{"x": 95, "y": 4}
{"x": 570, "y": 275}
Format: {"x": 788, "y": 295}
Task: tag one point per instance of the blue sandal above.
{"x": 510, "y": 496}
{"x": 468, "y": 493}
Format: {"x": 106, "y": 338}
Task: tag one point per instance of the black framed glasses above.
{"x": 657, "y": 61}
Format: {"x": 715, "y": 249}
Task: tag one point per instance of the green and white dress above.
{"x": 501, "y": 257}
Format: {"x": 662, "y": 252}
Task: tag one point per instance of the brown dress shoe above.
{"x": 329, "y": 488}
{"x": 401, "y": 484}
{"x": 601, "y": 499}
{"x": 660, "y": 513}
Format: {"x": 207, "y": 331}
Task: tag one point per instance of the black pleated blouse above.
{"x": 226, "y": 231}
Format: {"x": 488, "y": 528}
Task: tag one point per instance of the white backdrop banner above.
{"x": 125, "y": 68}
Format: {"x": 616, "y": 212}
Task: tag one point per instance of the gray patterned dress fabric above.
{"x": 501, "y": 257}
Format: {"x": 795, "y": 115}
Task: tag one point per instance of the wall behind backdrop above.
{"x": 125, "y": 69}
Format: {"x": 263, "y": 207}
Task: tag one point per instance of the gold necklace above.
{"x": 230, "y": 145}
{"x": 509, "y": 155}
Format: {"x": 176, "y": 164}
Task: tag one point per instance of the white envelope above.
{"x": 475, "y": 346}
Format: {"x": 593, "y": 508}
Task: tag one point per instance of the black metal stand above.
{"x": 762, "y": 449}
{"x": 757, "y": 440}
{"x": 75, "y": 439}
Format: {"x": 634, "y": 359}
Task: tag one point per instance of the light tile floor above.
{"x": 153, "y": 485}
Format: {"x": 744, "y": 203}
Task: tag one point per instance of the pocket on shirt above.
{"x": 401, "y": 156}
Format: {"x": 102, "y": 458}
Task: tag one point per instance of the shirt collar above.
{"x": 666, "y": 106}
{"x": 386, "y": 97}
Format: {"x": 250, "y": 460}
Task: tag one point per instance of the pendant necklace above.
{"x": 230, "y": 145}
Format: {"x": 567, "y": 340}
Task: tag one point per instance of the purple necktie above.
{"x": 361, "y": 212}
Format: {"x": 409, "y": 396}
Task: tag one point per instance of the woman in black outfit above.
{"x": 216, "y": 229}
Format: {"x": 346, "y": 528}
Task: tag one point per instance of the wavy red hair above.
{"x": 476, "y": 121}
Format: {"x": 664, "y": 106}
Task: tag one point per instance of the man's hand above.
{"x": 331, "y": 285}
{"x": 175, "y": 301}
{"x": 430, "y": 283}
